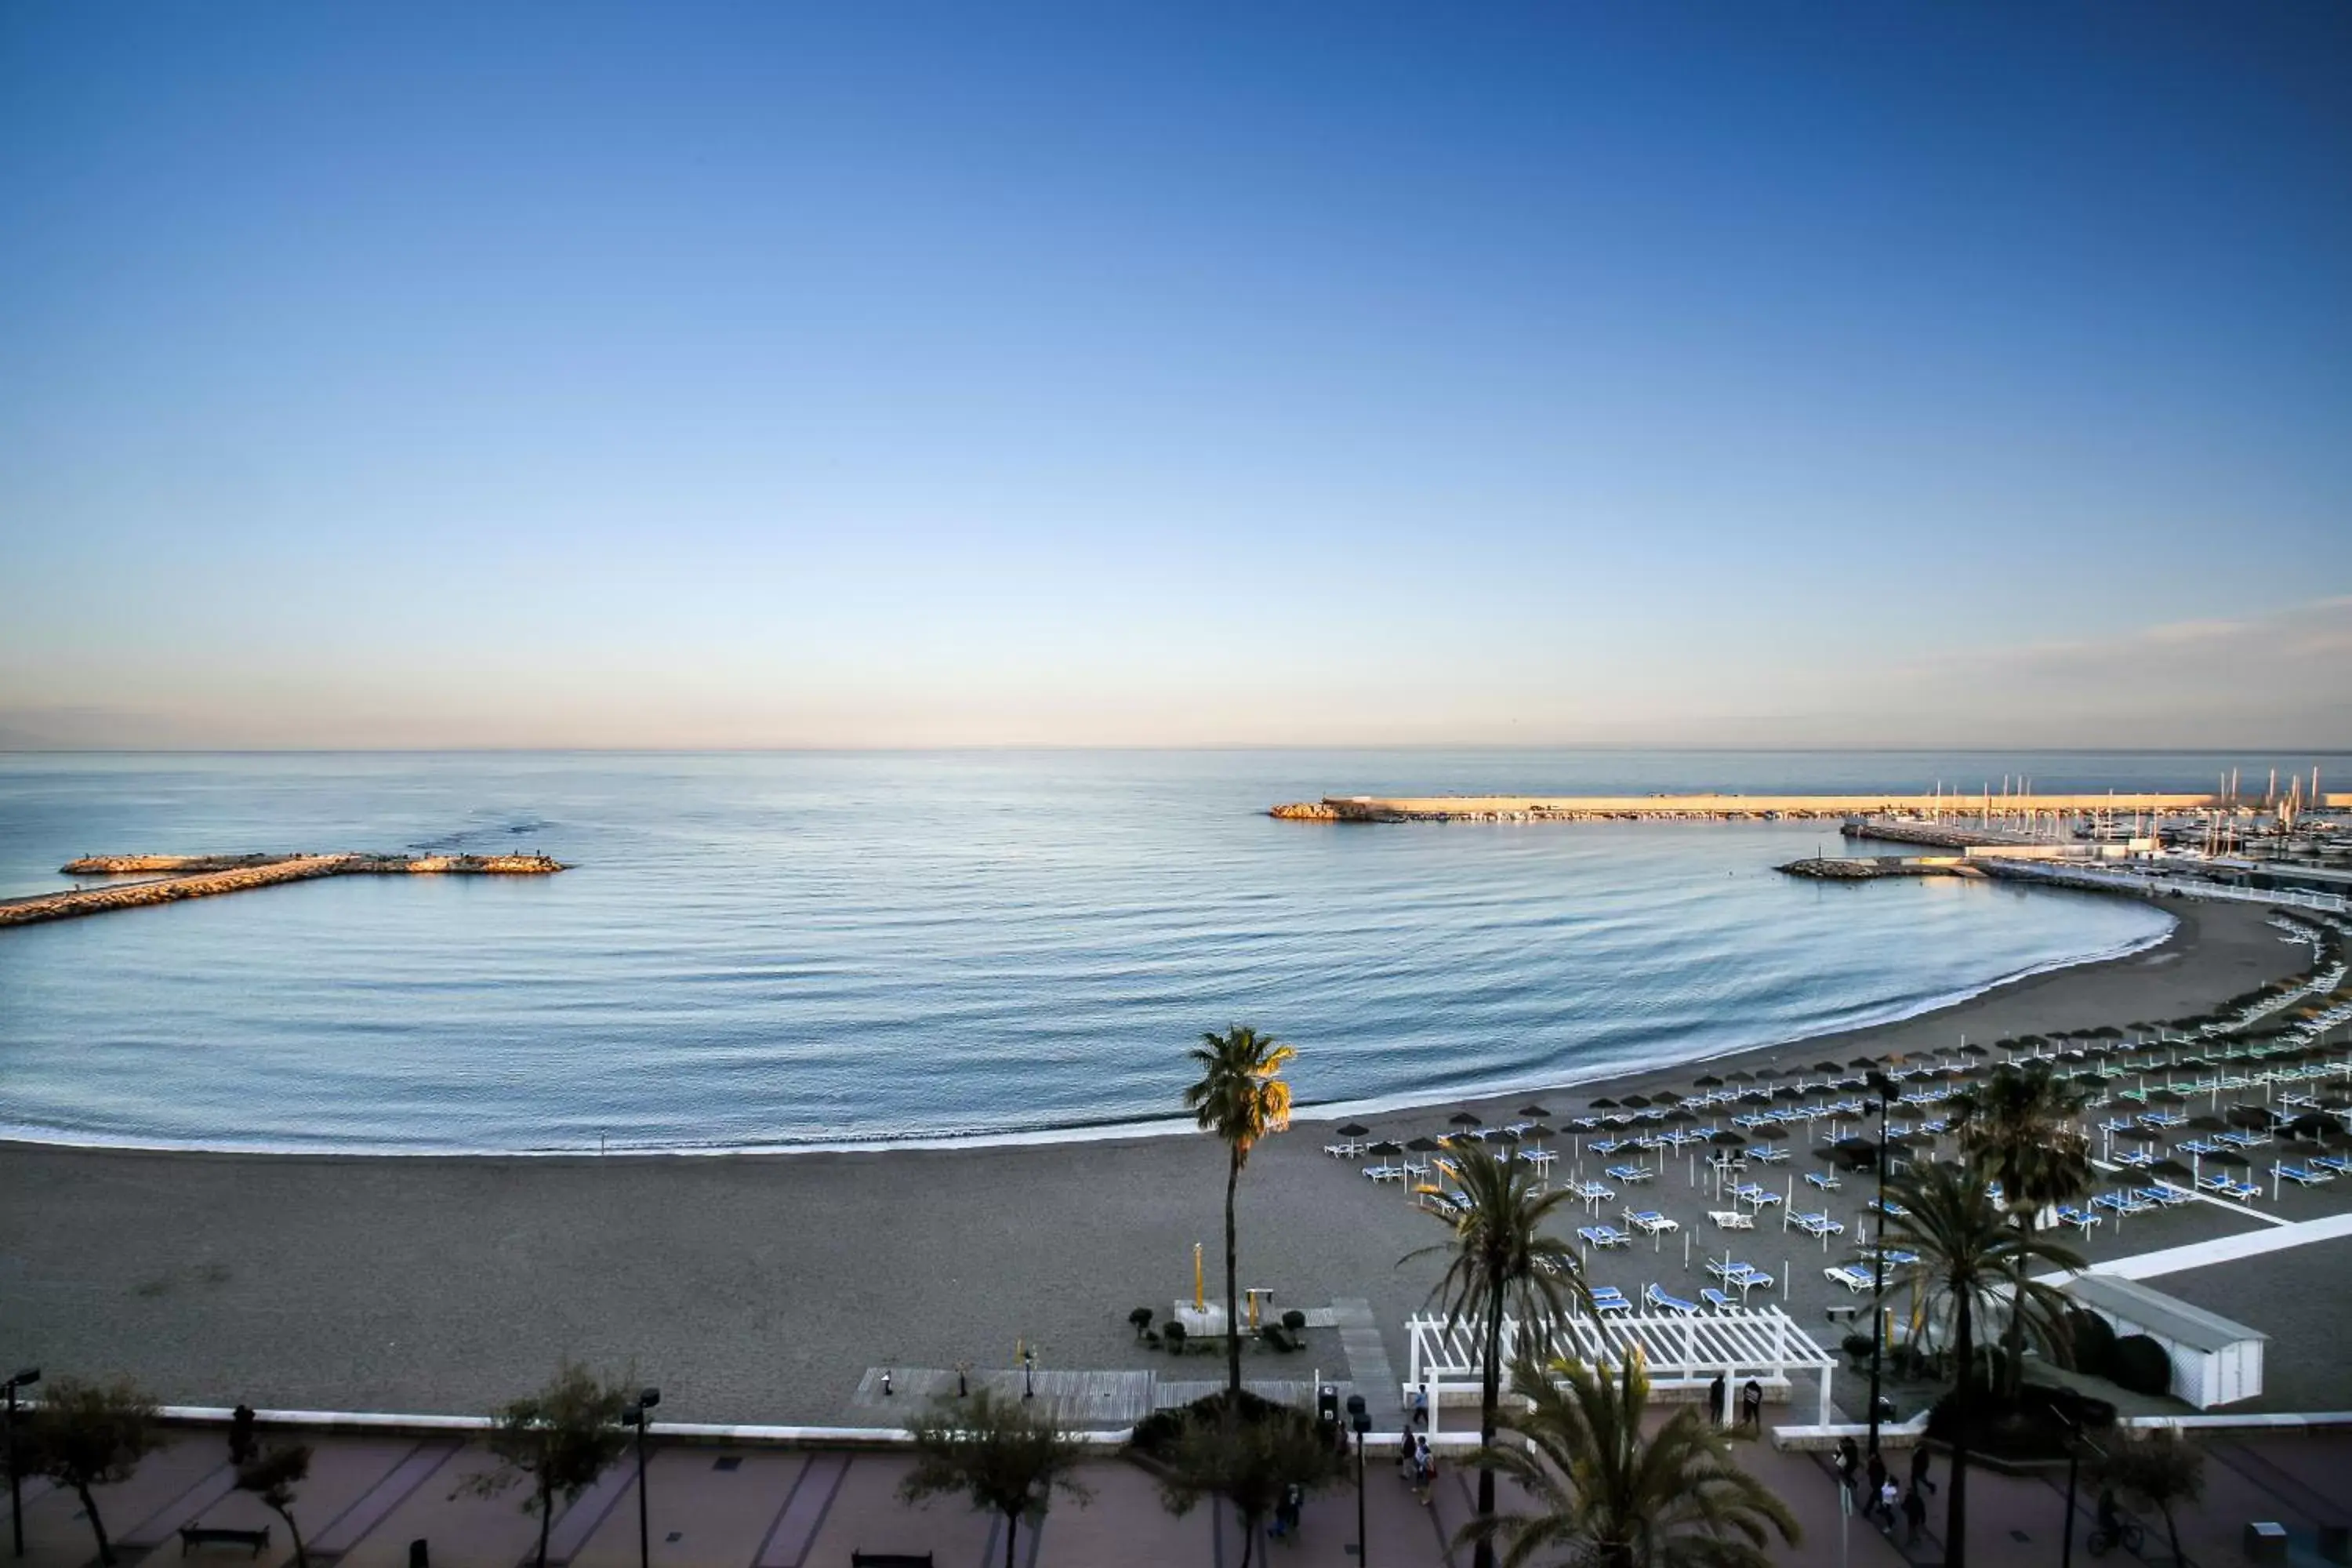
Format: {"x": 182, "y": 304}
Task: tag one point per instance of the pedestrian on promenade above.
{"x": 1920, "y": 1469}
{"x": 1718, "y": 1404}
{"x": 1915, "y": 1515}
{"x": 1877, "y": 1475}
{"x": 1849, "y": 1462}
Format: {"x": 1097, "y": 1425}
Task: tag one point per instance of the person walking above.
{"x": 1887, "y": 1493}
{"x": 1719, "y": 1403}
{"x": 1849, "y": 1462}
{"x": 1425, "y": 1471}
{"x": 1919, "y": 1481}
{"x": 1876, "y": 1476}
{"x": 1915, "y": 1515}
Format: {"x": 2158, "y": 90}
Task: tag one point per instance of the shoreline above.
{"x": 2180, "y": 941}
{"x": 765, "y": 1286}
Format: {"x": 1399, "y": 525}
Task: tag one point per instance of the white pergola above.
{"x": 1765, "y": 1344}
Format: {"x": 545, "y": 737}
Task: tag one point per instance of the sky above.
{"x": 896, "y": 375}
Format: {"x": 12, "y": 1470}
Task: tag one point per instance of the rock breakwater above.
{"x": 204, "y": 876}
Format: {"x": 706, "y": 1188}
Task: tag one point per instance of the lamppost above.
{"x": 1028, "y": 1374}
{"x": 635, "y": 1416}
{"x": 1882, "y": 1087}
{"x": 25, "y": 1379}
{"x": 1361, "y": 1420}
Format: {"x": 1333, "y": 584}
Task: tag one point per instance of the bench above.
{"x": 192, "y": 1534}
{"x": 889, "y": 1558}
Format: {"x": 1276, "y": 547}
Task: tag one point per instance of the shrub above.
{"x": 1294, "y": 1320}
{"x": 1173, "y": 1333}
{"x": 1156, "y": 1432}
{"x": 1141, "y": 1319}
{"x": 2140, "y": 1363}
{"x": 2093, "y": 1342}
{"x": 1856, "y": 1347}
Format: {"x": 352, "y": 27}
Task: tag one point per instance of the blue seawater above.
{"x": 763, "y": 950}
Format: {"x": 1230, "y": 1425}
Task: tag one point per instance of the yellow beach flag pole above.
{"x": 1199, "y": 1290}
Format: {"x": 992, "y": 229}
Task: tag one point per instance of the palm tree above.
{"x": 1502, "y": 1258}
{"x": 1969, "y": 1255}
{"x": 1241, "y": 1098}
{"x": 2019, "y": 1127}
{"x": 1608, "y": 1496}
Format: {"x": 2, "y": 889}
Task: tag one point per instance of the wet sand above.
{"x": 763, "y": 1287}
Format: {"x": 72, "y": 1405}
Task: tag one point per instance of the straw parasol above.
{"x": 1424, "y": 1145}
{"x": 1537, "y": 1111}
{"x": 1465, "y": 1119}
{"x": 1354, "y": 1130}
{"x": 1385, "y": 1148}
{"x": 1708, "y": 1080}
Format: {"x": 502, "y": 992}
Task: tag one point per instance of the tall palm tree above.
{"x": 1241, "y": 1098}
{"x": 2019, "y": 1127}
{"x": 1969, "y": 1256}
{"x": 1502, "y": 1258}
{"x": 1608, "y": 1496}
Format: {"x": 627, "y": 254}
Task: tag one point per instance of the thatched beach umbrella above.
{"x": 1771, "y": 1131}
{"x": 1666, "y": 1097}
{"x": 1465, "y": 1119}
{"x": 1537, "y": 1111}
{"x": 1385, "y": 1148}
{"x": 1636, "y": 1101}
{"x": 1604, "y": 1103}
{"x": 1828, "y": 1068}
{"x": 1788, "y": 1092}
{"x": 1728, "y": 1138}
{"x": 1708, "y": 1080}
{"x": 2170, "y": 1170}
{"x": 1354, "y": 1130}
{"x": 2230, "y": 1158}
{"x": 2138, "y": 1134}
{"x": 2253, "y": 1118}
{"x": 1678, "y": 1117}
{"x": 1742, "y": 1076}
{"x": 2165, "y": 1097}
{"x": 1424, "y": 1145}
{"x": 1861, "y": 1064}
{"x": 2312, "y": 1124}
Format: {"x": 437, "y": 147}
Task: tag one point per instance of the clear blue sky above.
{"x": 794, "y": 374}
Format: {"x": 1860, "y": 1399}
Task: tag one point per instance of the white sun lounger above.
{"x": 1649, "y": 1222}
{"x": 1853, "y": 1278}
{"x": 1731, "y": 1219}
{"x": 1603, "y": 1236}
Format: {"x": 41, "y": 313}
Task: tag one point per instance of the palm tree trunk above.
{"x": 89, "y": 1511}
{"x": 1490, "y": 1401}
{"x": 2012, "y": 1372}
{"x": 2172, "y": 1534}
{"x": 1012, "y": 1533}
{"x": 1956, "y": 1506}
{"x": 546, "y": 1517}
{"x": 1232, "y": 1322}
{"x": 1249, "y": 1537}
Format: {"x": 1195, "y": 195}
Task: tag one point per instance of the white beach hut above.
{"x": 2214, "y": 1361}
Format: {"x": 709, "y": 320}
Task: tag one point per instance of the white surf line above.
{"x": 2246, "y": 1211}
{"x": 2222, "y": 1249}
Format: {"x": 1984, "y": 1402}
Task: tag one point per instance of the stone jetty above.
{"x": 168, "y": 878}
{"x": 1717, "y": 807}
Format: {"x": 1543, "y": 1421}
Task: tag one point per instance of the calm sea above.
{"x": 760, "y": 950}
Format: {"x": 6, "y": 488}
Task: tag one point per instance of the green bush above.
{"x": 2093, "y": 1341}
{"x": 2140, "y": 1363}
{"x": 1294, "y": 1320}
{"x": 1173, "y": 1333}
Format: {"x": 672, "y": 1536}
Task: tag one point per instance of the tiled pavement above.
{"x": 717, "y": 1508}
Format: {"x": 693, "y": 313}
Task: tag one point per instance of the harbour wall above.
{"x": 1585, "y": 808}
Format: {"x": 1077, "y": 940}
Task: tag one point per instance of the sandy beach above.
{"x": 761, "y": 1288}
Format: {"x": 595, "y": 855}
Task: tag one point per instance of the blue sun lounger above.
{"x": 1825, "y": 1180}
{"x": 1608, "y": 1299}
{"x": 1654, "y": 1297}
{"x": 1630, "y": 1175}
{"x": 1819, "y": 1223}
{"x": 1603, "y": 1236}
{"x": 2163, "y": 1195}
{"x": 2223, "y": 1187}
{"x": 2118, "y": 1203}
{"x": 2303, "y": 1177}
{"x": 1721, "y": 1305}
{"x": 2335, "y": 1163}
{"x": 2081, "y": 1219}
{"x": 1847, "y": 1275}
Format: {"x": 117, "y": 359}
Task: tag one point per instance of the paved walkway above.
{"x": 2284, "y": 1234}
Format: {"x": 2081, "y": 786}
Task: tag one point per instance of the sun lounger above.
{"x": 1343, "y": 1151}
{"x": 1385, "y": 1173}
{"x": 2302, "y": 1176}
{"x": 2197, "y": 1146}
{"x": 1750, "y": 1192}
{"x": 1853, "y": 1278}
{"x": 1649, "y": 1222}
{"x": 1630, "y": 1175}
{"x": 2335, "y": 1163}
{"x": 1892, "y": 1209}
{"x": 1654, "y": 1297}
{"x": 1817, "y": 1223}
{"x": 2119, "y": 1203}
{"x": 2224, "y": 1187}
{"x": 1825, "y": 1180}
{"x": 1603, "y": 1235}
{"x": 1609, "y": 1299}
{"x": 1717, "y": 1302}
{"x": 1731, "y": 1219}
{"x": 2081, "y": 1219}
{"x": 2166, "y": 1196}
{"x": 1770, "y": 1154}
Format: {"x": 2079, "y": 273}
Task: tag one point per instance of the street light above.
{"x": 635, "y": 1416}
{"x": 25, "y": 1379}
{"x": 1883, "y": 1089}
{"x": 1028, "y": 1374}
{"x": 1361, "y": 1420}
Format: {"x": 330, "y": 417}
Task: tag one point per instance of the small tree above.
{"x": 1141, "y": 1319}
{"x": 87, "y": 1435}
{"x": 2160, "y": 1471}
{"x": 1003, "y": 1454}
{"x": 1250, "y": 1462}
{"x": 562, "y": 1438}
{"x": 272, "y": 1475}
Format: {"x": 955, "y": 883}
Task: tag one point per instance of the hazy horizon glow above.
{"x": 736, "y": 376}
